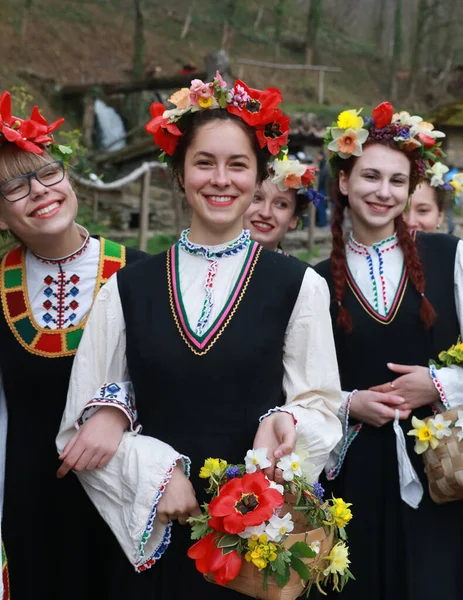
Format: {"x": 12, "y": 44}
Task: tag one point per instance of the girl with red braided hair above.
{"x": 396, "y": 303}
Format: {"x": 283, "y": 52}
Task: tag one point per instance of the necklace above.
{"x": 212, "y": 254}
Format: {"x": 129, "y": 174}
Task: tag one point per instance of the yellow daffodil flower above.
{"x": 349, "y": 119}
{"x": 212, "y": 467}
{"x": 424, "y": 436}
{"x": 338, "y": 559}
{"x": 341, "y": 512}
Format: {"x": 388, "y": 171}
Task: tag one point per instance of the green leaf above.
{"x": 302, "y": 550}
{"x": 228, "y": 541}
{"x": 265, "y": 582}
{"x": 281, "y": 563}
{"x": 282, "y": 579}
{"x": 199, "y": 530}
{"x": 228, "y": 550}
{"x": 65, "y": 149}
{"x": 301, "y": 569}
{"x": 342, "y": 533}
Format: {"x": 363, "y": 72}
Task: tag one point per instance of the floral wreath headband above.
{"x": 411, "y": 134}
{"x": 294, "y": 175}
{"x": 435, "y": 176}
{"x": 257, "y": 108}
{"x": 31, "y": 135}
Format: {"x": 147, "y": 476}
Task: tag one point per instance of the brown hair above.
{"x": 338, "y": 256}
{"x": 14, "y": 161}
{"x": 191, "y": 123}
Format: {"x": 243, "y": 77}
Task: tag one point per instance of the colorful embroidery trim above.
{"x": 18, "y": 313}
{"x": 200, "y": 345}
{"x": 393, "y": 310}
{"x": 5, "y": 578}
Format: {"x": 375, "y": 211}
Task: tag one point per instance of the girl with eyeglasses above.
{"x": 56, "y": 543}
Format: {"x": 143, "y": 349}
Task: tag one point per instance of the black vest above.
{"x": 363, "y": 354}
{"x": 208, "y": 406}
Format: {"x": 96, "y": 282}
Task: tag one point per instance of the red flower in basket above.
{"x": 245, "y": 502}
{"x": 210, "y": 559}
{"x": 382, "y": 114}
{"x": 274, "y": 134}
{"x": 253, "y": 106}
{"x": 165, "y": 134}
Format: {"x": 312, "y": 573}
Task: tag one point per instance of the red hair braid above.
{"x": 338, "y": 263}
{"x": 414, "y": 270}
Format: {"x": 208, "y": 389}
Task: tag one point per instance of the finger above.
{"x": 279, "y": 476}
{"x": 401, "y": 368}
{"x": 68, "y": 463}
{"x": 83, "y": 461}
{"x": 69, "y": 446}
{"x": 392, "y": 400}
{"x": 94, "y": 462}
{"x": 182, "y": 520}
{"x": 104, "y": 461}
{"x": 384, "y": 388}
{"x": 163, "y": 518}
{"x": 195, "y": 511}
{"x": 404, "y": 414}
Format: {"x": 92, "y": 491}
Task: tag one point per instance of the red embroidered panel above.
{"x": 50, "y": 342}
{"x": 16, "y": 303}
{"x": 13, "y": 258}
{"x": 109, "y": 268}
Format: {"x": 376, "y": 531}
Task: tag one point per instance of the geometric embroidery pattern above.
{"x": 43, "y": 341}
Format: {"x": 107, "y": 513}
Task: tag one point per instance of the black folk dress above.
{"x": 203, "y": 396}
{"x": 58, "y": 546}
{"x": 397, "y": 552}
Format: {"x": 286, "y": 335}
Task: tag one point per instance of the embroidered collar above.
{"x": 383, "y": 245}
{"x": 70, "y": 257}
{"x": 214, "y": 252}
{"x": 200, "y": 344}
{"x": 17, "y": 309}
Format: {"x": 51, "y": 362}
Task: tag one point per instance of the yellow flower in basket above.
{"x": 341, "y": 512}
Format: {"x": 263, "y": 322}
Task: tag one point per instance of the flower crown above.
{"x": 257, "y": 108}
{"x": 30, "y": 134}
{"x": 411, "y": 134}
{"x": 435, "y": 176}
{"x": 294, "y": 175}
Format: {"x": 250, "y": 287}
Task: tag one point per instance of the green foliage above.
{"x": 307, "y": 255}
{"x": 452, "y": 356}
{"x": 156, "y": 244}
{"x": 85, "y": 218}
{"x": 20, "y": 98}
{"x": 199, "y": 525}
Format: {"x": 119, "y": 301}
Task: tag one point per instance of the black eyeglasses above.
{"x": 19, "y": 187}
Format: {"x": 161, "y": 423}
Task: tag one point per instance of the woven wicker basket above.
{"x": 444, "y": 465}
{"x": 250, "y": 580}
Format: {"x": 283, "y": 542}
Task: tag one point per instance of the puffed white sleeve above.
{"x": 311, "y": 379}
{"x": 449, "y": 380}
{"x": 127, "y": 491}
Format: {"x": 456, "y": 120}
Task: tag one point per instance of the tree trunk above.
{"x": 380, "y": 25}
{"x": 396, "y": 52}
{"x": 279, "y": 12}
{"x": 260, "y": 14}
{"x": 24, "y": 21}
{"x": 187, "y": 23}
{"x": 134, "y": 103}
{"x": 314, "y": 17}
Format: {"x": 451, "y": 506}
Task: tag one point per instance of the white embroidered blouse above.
{"x": 127, "y": 491}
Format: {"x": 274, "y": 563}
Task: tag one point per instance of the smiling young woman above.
{"x": 47, "y": 286}
{"x": 214, "y": 334}
{"x": 396, "y": 303}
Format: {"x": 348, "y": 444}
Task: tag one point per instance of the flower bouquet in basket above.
{"x": 266, "y": 540}
{"x": 440, "y": 440}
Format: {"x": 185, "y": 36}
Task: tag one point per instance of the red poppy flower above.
{"x": 14, "y": 136}
{"x": 258, "y": 108}
{"x": 42, "y": 128}
{"x": 245, "y": 502}
{"x": 274, "y": 134}
{"x": 165, "y": 134}
{"x": 210, "y": 559}
{"x": 426, "y": 140}
{"x": 5, "y": 109}
{"x": 382, "y": 114}
{"x": 309, "y": 175}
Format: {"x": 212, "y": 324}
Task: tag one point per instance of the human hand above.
{"x": 377, "y": 408}
{"x": 179, "y": 499}
{"x": 277, "y": 432}
{"x": 95, "y": 443}
{"x": 414, "y": 385}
